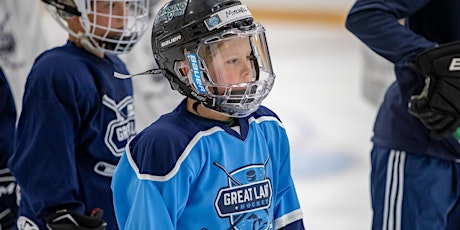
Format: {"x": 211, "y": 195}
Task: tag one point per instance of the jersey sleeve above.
{"x": 44, "y": 160}
{"x": 8, "y": 205}
{"x": 148, "y": 203}
{"x": 376, "y": 23}
{"x": 7, "y": 121}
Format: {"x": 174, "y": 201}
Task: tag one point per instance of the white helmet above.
{"x": 112, "y": 26}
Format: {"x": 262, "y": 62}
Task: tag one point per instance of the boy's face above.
{"x": 229, "y": 62}
{"x": 110, "y": 17}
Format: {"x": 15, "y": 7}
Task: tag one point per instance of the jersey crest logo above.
{"x": 7, "y": 183}
{"x": 122, "y": 129}
{"x": 7, "y": 190}
{"x": 247, "y": 199}
{"x": 24, "y": 223}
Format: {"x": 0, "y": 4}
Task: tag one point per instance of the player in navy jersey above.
{"x": 77, "y": 117}
{"x": 8, "y": 204}
{"x": 415, "y": 170}
{"x": 220, "y": 160}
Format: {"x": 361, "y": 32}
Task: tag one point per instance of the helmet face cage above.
{"x": 114, "y": 26}
{"x": 233, "y": 68}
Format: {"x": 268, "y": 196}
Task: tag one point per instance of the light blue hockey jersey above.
{"x": 187, "y": 172}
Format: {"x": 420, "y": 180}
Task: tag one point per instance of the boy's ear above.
{"x": 184, "y": 68}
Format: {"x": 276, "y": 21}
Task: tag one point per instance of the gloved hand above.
{"x": 438, "y": 106}
{"x": 8, "y": 200}
{"x": 7, "y": 219}
{"x": 71, "y": 220}
{"x": 441, "y": 125}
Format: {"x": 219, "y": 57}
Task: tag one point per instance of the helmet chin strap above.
{"x": 195, "y": 106}
{"x": 89, "y": 46}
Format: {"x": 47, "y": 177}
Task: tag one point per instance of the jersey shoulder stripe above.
{"x": 158, "y": 151}
{"x": 175, "y": 169}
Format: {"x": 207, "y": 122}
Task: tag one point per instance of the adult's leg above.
{"x": 410, "y": 191}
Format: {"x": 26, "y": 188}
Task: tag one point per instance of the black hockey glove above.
{"x": 71, "y": 220}
{"x": 441, "y": 124}
{"x": 438, "y": 106}
{"x": 8, "y": 203}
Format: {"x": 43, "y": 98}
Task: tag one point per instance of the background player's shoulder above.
{"x": 157, "y": 148}
{"x": 59, "y": 60}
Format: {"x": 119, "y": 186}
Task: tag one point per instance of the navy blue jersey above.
{"x": 7, "y": 126}
{"x": 428, "y": 23}
{"x": 188, "y": 172}
{"x": 75, "y": 122}
{"x": 7, "y": 121}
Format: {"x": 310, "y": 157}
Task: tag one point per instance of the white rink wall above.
{"x": 302, "y": 5}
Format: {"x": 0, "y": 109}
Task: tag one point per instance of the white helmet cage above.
{"x": 233, "y": 68}
{"x": 112, "y": 26}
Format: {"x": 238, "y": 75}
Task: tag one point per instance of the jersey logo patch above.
{"x": 104, "y": 169}
{"x": 247, "y": 199}
{"x": 167, "y": 13}
{"x": 122, "y": 129}
{"x": 7, "y": 190}
{"x": 25, "y": 223}
{"x": 7, "y": 183}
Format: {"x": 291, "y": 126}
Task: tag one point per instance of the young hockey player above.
{"x": 77, "y": 117}
{"x": 220, "y": 160}
{"x": 415, "y": 158}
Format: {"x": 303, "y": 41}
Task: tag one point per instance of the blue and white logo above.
{"x": 227, "y": 16}
{"x": 169, "y": 12}
{"x": 196, "y": 73}
{"x": 247, "y": 199}
{"x": 213, "y": 21}
{"x": 122, "y": 129}
{"x": 24, "y": 223}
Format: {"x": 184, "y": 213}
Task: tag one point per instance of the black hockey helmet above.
{"x": 189, "y": 32}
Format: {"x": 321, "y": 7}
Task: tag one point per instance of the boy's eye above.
{"x": 232, "y": 61}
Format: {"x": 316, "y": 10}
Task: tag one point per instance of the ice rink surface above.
{"x": 318, "y": 96}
